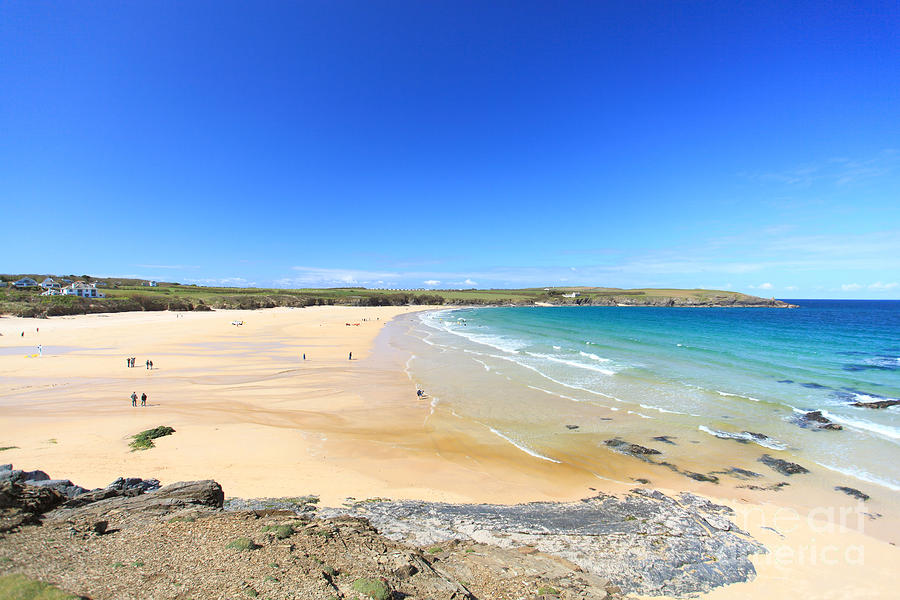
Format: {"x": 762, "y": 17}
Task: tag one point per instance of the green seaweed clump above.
{"x": 144, "y": 439}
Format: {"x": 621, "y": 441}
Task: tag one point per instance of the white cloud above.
{"x": 223, "y": 281}
{"x": 765, "y": 286}
{"x": 850, "y": 287}
{"x": 791, "y": 288}
{"x": 470, "y": 282}
{"x": 431, "y": 282}
{"x": 879, "y": 286}
{"x": 168, "y": 266}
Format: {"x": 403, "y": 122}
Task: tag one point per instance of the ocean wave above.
{"x": 572, "y": 363}
{"x": 662, "y": 410}
{"x": 730, "y": 395}
{"x": 864, "y": 476}
{"x": 486, "y": 366}
{"x": 884, "y": 431}
{"x": 556, "y": 381}
{"x": 557, "y": 347}
{"x": 593, "y": 356}
{"x": 524, "y": 448}
{"x": 540, "y": 389}
{"x": 641, "y": 415}
{"x": 744, "y": 436}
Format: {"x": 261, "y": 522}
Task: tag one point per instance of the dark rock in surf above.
{"x": 701, "y": 477}
{"x": 852, "y": 492}
{"x": 878, "y": 404}
{"x": 816, "y": 420}
{"x": 782, "y": 466}
{"x": 635, "y": 450}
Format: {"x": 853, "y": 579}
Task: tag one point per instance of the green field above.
{"x": 129, "y": 295}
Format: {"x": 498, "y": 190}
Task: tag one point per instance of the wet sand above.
{"x": 251, "y": 414}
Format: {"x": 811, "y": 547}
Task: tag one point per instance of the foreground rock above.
{"x": 192, "y": 496}
{"x": 645, "y": 543}
{"x": 22, "y": 504}
{"x": 177, "y": 541}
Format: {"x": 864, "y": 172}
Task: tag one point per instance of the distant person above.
{"x": 143, "y": 399}
{"x": 304, "y": 356}
{"x": 127, "y": 362}
{"x": 151, "y": 365}
{"x": 134, "y": 398}
{"x": 147, "y": 364}
{"x": 420, "y": 393}
{"x": 350, "y": 357}
{"x": 40, "y": 350}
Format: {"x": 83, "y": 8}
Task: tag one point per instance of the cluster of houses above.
{"x": 63, "y": 287}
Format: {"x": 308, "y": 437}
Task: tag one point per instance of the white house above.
{"x": 26, "y": 282}
{"x": 572, "y": 295}
{"x": 52, "y": 292}
{"x": 83, "y": 290}
{"x": 49, "y": 284}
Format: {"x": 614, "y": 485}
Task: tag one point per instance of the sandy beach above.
{"x": 249, "y": 412}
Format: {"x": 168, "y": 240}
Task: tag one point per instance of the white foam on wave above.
{"x": 556, "y": 381}
{"x": 565, "y": 397}
{"x": 406, "y": 370}
{"x": 641, "y": 415}
{"x": 557, "y": 347}
{"x": 593, "y": 356}
{"x": 730, "y": 395}
{"x": 662, "y": 410}
{"x": 486, "y": 366}
{"x": 743, "y": 436}
{"x": 864, "y": 476}
{"x": 572, "y": 363}
{"x": 884, "y": 431}
{"x": 859, "y": 397}
{"x": 524, "y": 448}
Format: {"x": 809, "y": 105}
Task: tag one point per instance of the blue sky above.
{"x": 747, "y": 146}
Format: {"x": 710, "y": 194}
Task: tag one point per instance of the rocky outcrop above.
{"x": 120, "y": 509}
{"x": 22, "y": 504}
{"x": 645, "y": 543}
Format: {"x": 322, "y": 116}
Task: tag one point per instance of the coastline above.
{"x": 251, "y": 415}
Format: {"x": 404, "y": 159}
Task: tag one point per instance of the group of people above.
{"x": 130, "y": 362}
{"x": 134, "y": 398}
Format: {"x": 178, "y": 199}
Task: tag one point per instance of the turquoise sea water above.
{"x": 696, "y": 372}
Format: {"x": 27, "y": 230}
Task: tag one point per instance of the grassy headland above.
{"x": 123, "y": 295}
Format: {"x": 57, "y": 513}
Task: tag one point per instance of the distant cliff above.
{"x": 125, "y": 297}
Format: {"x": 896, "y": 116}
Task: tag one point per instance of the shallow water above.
{"x": 701, "y": 375}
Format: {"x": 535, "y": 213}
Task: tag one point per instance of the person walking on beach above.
{"x": 134, "y": 398}
{"x": 350, "y": 357}
{"x": 147, "y": 364}
{"x": 151, "y": 365}
{"x": 143, "y": 399}
{"x": 40, "y": 349}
